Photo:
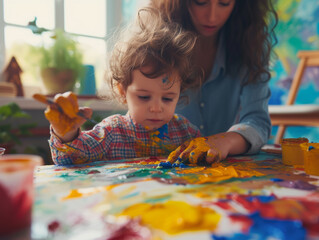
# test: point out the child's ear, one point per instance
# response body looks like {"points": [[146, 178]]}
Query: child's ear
{"points": [[122, 93]]}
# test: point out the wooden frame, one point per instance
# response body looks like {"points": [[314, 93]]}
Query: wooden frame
{"points": [[296, 115]]}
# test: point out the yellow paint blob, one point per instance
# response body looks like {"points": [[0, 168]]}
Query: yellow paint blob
{"points": [[84, 192], [73, 194], [216, 174], [174, 217]]}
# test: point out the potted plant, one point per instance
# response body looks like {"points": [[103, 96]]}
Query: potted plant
{"points": [[10, 134], [61, 63]]}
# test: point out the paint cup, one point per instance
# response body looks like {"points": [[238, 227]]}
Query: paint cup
{"points": [[16, 192], [292, 152], [87, 82], [312, 159]]}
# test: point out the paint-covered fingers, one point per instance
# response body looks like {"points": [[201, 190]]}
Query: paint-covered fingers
{"points": [[61, 123], [68, 103], [63, 116], [174, 156], [86, 112], [195, 151], [214, 155]]}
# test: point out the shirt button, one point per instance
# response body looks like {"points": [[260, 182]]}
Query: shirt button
{"points": [[202, 104], [201, 127]]}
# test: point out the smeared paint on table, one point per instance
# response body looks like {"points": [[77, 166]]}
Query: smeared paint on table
{"points": [[247, 197]]}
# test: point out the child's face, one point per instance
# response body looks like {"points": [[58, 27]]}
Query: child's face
{"points": [[152, 101]]}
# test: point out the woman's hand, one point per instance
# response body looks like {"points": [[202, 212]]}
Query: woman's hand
{"points": [[212, 149], [64, 119]]}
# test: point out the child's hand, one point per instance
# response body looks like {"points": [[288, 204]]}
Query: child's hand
{"points": [[197, 150], [212, 149], [66, 124]]}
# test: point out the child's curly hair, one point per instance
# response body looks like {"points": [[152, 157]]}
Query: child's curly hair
{"points": [[163, 46]]}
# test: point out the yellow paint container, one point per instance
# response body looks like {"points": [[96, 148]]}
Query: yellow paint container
{"points": [[293, 152], [312, 159]]}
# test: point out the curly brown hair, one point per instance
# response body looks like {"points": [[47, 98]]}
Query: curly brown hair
{"points": [[151, 41], [249, 33]]}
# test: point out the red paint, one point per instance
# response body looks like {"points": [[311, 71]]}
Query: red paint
{"points": [[94, 171], [224, 205], [128, 230], [244, 221], [250, 206], [59, 169], [53, 226], [15, 211]]}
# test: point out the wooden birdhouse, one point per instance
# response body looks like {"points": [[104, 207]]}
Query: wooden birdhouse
{"points": [[12, 75]]}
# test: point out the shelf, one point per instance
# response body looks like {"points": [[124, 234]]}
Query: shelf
{"points": [[95, 103]]}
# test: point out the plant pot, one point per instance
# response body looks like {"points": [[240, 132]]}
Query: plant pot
{"points": [[58, 81]]}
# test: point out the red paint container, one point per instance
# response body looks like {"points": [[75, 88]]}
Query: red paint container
{"points": [[16, 191]]}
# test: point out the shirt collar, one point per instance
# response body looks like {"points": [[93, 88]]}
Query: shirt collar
{"points": [[162, 132], [219, 67]]}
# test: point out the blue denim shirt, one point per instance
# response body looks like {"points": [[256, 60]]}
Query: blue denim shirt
{"points": [[223, 104]]}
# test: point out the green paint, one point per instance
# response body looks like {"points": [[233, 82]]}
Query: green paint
{"points": [[159, 199], [134, 194], [64, 175]]}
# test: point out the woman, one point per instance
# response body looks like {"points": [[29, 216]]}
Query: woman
{"points": [[235, 40]]}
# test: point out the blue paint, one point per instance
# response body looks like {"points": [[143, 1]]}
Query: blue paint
{"points": [[269, 229], [165, 79], [263, 199], [175, 165], [165, 165], [182, 165], [163, 132], [276, 179], [310, 148]]}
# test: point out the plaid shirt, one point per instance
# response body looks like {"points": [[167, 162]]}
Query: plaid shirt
{"points": [[117, 137]]}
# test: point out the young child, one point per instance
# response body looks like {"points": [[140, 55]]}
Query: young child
{"points": [[147, 71]]}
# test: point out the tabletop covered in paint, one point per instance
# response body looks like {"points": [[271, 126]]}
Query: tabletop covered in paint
{"points": [[245, 197]]}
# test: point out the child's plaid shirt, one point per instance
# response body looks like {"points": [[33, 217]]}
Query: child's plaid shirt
{"points": [[117, 137]]}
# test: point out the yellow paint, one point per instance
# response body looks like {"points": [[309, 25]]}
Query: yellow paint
{"points": [[216, 174], [312, 159], [217, 191], [312, 39], [286, 9], [150, 162], [73, 194], [174, 217], [194, 150], [293, 150], [84, 192]]}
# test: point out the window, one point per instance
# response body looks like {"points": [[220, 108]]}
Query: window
{"points": [[90, 21]]}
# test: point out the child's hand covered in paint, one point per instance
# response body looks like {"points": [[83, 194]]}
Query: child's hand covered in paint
{"points": [[195, 151], [212, 149], [66, 123]]}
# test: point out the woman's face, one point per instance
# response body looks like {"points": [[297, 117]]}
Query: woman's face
{"points": [[209, 16]]}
